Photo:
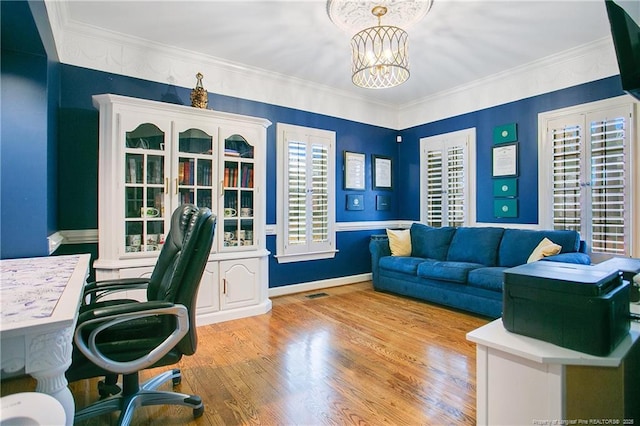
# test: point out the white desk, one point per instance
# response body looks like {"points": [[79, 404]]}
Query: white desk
{"points": [[525, 381], [40, 298]]}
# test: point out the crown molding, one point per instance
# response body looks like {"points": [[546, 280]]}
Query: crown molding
{"points": [[589, 62], [95, 48]]}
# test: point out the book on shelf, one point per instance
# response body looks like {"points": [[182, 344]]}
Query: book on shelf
{"points": [[185, 172], [230, 177], [204, 174], [231, 152], [180, 172]]}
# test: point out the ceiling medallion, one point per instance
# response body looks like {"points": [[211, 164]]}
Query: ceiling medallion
{"points": [[352, 16]]}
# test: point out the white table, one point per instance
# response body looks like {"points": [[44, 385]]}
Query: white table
{"points": [[525, 381], [40, 298]]}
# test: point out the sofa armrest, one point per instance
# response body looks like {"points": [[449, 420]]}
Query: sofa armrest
{"points": [[583, 247], [575, 257], [379, 247]]}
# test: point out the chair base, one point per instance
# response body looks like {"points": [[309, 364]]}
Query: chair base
{"points": [[134, 395]]}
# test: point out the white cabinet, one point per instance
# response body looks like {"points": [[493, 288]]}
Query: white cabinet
{"points": [[239, 283], [154, 157]]}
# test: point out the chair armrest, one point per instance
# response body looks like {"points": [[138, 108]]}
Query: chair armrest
{"points": [[96, 290], [95, 321]]}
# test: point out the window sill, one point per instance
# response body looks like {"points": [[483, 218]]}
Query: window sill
{"points": [[303, 257]]}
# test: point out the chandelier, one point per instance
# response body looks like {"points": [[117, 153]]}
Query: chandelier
{"points": [[380, 55]]}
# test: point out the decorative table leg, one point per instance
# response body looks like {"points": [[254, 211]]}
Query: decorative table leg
{"points": [[54, 383], [48, 357]]}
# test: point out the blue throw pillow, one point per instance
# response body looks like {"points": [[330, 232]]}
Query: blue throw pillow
{"points": [[429, 242]]}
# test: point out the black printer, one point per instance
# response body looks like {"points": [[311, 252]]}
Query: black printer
{"points": [[574, 306]]}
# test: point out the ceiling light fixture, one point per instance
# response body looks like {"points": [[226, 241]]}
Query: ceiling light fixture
{"points": [[380, 55]]}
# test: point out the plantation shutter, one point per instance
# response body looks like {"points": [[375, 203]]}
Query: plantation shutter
{"points": [[590, 169], [297, 191], [566, 163], [456, 185], [320, 191], [445, 182], [306, 196], [609, 200], [434, 187]]}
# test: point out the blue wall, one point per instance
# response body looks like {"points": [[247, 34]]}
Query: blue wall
{"points": [[525, 114], [28, 147]]}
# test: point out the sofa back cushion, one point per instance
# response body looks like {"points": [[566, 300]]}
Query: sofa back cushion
{"points": [[476, 245], [429, 242], [518, 244]]}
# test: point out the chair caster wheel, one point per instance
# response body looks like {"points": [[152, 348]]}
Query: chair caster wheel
{"points": [[198, 412], [177, 377], [106, 389]]}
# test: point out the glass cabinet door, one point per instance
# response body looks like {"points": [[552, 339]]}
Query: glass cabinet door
{"points": [[195, 168], [238, 188], [145, 189]]}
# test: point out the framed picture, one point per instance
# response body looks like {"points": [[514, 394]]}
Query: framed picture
{"points": [[355, 202], [354, 170], [383, 202], [505, 187], [382, 172], [506, 207], [505, 133], [505, 160]]}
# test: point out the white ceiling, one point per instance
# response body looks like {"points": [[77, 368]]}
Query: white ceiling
{"points": [[458, 42]]}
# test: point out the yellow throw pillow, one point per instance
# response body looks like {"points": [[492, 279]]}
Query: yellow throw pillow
{"points": [[544, 249], [399, 242]]}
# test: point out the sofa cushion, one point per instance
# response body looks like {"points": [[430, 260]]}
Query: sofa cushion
{"points": [[399, 242], [446, 270], [407, 265], [490, 278], [430, 242], [476, 245], [518, 244]]}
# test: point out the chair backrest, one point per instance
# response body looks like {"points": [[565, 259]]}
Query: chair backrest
{"points": [[178, 271]]}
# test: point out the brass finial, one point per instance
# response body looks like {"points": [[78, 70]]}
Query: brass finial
{"points": [[199, 96]]}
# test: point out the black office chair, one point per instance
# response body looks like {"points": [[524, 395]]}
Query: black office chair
{"points": [[125, 336]]}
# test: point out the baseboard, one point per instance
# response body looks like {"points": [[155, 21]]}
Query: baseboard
{"points": [[232, 314], [317, 285]]}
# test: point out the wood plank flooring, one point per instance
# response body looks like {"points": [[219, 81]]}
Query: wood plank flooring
{"points": [[352, 357]]}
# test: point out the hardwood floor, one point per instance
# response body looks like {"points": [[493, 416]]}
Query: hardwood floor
{"points": [[354, 356]]}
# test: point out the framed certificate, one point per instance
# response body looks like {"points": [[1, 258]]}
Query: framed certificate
{"points": [[505, 160], [354, 170], [382, 172]]}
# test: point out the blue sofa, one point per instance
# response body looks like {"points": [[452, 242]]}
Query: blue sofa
{"points": [[463, 267]]}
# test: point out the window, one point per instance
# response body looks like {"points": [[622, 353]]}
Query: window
{"points": [[306, 193], [586, 177], [446, 163]]}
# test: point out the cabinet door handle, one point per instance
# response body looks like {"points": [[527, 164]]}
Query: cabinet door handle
{"points": [[176, 186], [166, 185], [224, 286]]}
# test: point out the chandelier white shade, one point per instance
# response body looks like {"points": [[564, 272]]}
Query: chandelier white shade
{"points": [[380, 57]]}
